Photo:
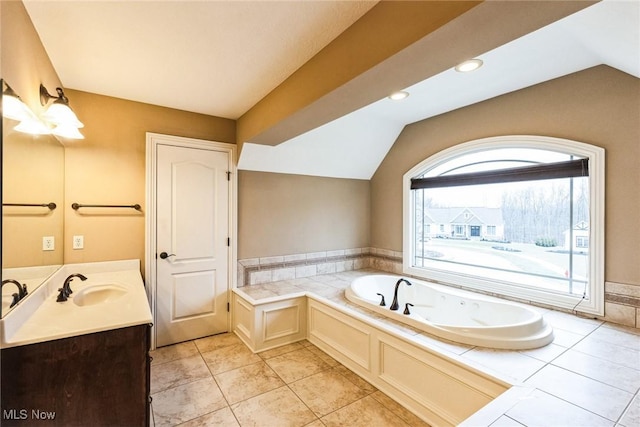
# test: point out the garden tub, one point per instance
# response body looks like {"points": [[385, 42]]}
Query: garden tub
{"points": [[453, 314]]}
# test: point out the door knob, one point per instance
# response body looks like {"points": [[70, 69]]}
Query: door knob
{"points": [[165, 255]]}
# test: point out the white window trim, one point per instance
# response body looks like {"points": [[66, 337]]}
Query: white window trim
{"points": [[596, 155]]}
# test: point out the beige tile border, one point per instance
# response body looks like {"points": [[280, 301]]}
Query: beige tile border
{"points": [[254, 271]]}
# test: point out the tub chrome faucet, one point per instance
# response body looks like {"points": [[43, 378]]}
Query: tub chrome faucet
{"points": [[65, 290], [22, 291], [394, 304]]}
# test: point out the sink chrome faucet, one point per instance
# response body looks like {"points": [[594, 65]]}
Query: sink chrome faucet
{"points": [[65, 290], [22, 291], [394, 304]]}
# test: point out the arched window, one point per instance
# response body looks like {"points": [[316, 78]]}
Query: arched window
{"points": [[520, 216]]}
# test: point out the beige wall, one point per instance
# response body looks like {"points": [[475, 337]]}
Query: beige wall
{"points": [[278, 214], [282, 214], [25, 63], [296, 213], [598, 106], [35, 163], [290, 214], [108, 167], [32, 172]]}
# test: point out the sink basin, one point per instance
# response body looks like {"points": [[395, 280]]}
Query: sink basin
{"points": [[98, 294]]}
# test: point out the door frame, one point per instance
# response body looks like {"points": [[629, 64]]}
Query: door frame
{"points": [[153, 141]]}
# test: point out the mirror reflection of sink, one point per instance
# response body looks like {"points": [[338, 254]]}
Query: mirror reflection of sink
{"points": [[98, 294], [6, 303]]}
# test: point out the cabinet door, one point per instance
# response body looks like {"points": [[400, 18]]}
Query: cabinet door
{"points": [[99, 379]]}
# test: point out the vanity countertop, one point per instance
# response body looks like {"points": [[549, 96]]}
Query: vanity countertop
{"points": [[32, 277], [112, 297]]}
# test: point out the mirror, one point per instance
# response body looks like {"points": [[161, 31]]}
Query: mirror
{"points": [[32, 174]]}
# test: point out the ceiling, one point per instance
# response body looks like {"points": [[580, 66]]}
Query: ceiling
{"points": [[211, 57], [221, 57]]}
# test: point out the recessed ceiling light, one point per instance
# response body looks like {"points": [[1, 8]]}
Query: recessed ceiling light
{"points": [[470, 65], [397, 96]]}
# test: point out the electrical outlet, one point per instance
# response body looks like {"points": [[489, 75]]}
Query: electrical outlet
{"points": [[48, 243], [78, 242]]}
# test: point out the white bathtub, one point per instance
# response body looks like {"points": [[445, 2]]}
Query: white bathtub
{"points": [[454, 314]]}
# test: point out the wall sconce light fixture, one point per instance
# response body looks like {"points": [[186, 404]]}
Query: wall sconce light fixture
{"points": [[12, 106], [33, 126], [60, 114]]}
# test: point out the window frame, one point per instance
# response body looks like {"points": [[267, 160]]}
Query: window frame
{"points": [[594, 304], [580, 242]]}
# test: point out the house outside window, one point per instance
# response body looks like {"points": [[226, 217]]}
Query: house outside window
{"points": [[513, 235]]}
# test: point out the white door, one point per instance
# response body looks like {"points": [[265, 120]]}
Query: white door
{"points": [[192, 243]]}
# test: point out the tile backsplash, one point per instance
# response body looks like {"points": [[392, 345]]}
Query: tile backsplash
{"points": [[254, 271]]}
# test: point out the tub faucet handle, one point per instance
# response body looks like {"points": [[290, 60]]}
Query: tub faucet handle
{"points": [[406, 308], [382, 303]]}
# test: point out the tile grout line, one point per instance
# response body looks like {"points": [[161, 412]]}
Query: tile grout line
{"points": [[550, 363], [217, 385], [627, 408], [577, 406], [214, 380]]}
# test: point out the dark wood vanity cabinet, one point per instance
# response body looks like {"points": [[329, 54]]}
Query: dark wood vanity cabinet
{"points": [[99, 379]]}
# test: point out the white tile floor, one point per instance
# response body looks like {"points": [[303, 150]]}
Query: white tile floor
{"points": [[589, 375]]}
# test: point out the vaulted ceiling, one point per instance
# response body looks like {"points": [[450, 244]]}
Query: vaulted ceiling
{"points": [[222, 57]]}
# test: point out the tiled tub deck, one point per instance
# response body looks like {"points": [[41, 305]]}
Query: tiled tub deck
{"points": [[588, 376]]}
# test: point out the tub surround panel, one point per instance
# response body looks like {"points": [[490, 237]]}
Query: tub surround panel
{"points": [[400, 365], [412, 375], [269, 323], [347, 336], [605, 345], [282, 322], [369, 348]]}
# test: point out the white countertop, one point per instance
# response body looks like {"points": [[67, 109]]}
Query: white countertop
{"points": [[32, 277], [41, 318]]}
